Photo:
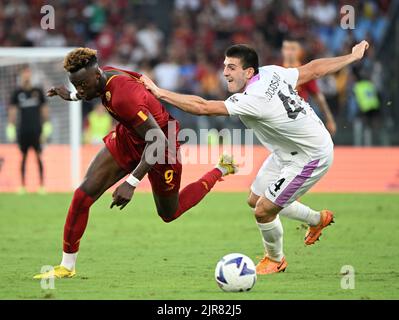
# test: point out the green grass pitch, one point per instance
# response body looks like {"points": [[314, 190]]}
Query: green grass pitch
{"points": [[132, 254]]}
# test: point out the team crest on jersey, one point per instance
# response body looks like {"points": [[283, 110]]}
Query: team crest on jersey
{"points": [[108, 96]]}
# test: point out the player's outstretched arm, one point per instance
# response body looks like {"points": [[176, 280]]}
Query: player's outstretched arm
{"points": [[320, 67], [63, 93], [188, 103]]}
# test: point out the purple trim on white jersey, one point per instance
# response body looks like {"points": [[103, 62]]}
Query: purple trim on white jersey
{"points": [[252, 80], [296, 183]]}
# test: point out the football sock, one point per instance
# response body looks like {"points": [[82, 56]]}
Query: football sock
{"points": [[76, 220], [299, 211], [23, 168], [41, 173], [69, 260], [272, 234], [195, 192]]}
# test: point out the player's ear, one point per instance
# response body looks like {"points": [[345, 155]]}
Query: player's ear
{"points": [[98, 74], [250, 72]]}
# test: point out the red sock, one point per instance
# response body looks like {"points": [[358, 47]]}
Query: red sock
{"points": [[76, 221], [195, 192]]}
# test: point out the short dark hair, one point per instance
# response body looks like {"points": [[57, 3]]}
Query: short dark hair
{"points": [[247, 55], [297, 39]]}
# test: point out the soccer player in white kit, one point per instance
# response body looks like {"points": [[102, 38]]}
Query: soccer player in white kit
{"points": [[301, 148]]}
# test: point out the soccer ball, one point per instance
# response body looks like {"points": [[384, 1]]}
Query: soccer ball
{"points": [[235, 272]]}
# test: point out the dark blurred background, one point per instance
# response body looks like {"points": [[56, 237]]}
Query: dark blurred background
{"points": [[180, 43]]}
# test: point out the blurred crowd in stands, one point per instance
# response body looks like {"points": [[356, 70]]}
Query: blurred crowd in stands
{"points": [[182, 49]]}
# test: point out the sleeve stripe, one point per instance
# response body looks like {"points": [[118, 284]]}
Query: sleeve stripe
{"points": [[142, 115]]}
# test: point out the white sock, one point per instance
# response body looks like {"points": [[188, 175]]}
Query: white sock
{"points": [[69, 260], [222, 170], [272, 233], [299, 211]]}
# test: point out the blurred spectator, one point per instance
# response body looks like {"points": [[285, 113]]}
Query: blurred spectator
{"points": [[150, 38], [99, 124], [183, 49], [368, 103], [167, 73]]}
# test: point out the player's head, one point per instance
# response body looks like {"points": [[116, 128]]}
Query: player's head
{"points": [[292, 52], [84, 73], [241, 63], [25, 77]]}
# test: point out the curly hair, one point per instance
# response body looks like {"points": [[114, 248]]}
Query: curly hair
{"points": [[80, 58]]}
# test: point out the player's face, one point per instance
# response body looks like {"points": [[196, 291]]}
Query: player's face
{"points": [[291, 52], [26, 75], [86, 82], [235, 75]]}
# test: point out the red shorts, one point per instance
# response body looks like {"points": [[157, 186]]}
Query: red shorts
{"points": [[164, 178]]}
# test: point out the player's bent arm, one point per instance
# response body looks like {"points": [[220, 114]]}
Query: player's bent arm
{"points": [[45, 113], [11, 131], [63, 93], [156, 140], [194, 104], [12, 114], [321, 67], [124, 192]]}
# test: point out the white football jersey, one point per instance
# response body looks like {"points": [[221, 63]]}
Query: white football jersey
{"points": [[282, 121]]}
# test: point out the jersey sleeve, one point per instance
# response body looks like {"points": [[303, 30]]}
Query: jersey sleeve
{"points": [[42, 97], [291, 76], [130, 102], [240, 104], [14, 98]]}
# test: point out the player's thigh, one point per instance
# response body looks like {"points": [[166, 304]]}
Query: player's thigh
{"points": [[103, 172], [36, 144], [266, 175], [165, 183], [23, 143], [295, 180]]}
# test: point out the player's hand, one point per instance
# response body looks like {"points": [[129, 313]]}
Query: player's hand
{"points": [[61, 91], [150, 85], [122, 195], [331, 126], [359, 49]]}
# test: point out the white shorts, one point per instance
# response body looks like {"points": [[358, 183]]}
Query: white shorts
{"points": [[284, 183]]}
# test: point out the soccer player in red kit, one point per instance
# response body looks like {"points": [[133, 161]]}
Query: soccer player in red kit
{"points": [[293, 56], [140, 137]]}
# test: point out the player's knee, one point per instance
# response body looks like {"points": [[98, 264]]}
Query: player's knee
{"points": [[165, 217], [92, 187], [251, 201], [265, 210]]}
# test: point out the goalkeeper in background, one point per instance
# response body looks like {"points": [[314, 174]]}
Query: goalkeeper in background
{"points": [[28, 123]]}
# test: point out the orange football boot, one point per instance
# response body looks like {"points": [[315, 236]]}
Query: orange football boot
{"points": [[313, 234], [268, 266]]}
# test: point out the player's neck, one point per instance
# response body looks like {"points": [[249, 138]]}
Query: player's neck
{"points": [[103, 81], [27, 86]]}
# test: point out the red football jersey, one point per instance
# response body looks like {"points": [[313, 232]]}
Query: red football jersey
{"points": [[130, 103], [307, 89]]}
